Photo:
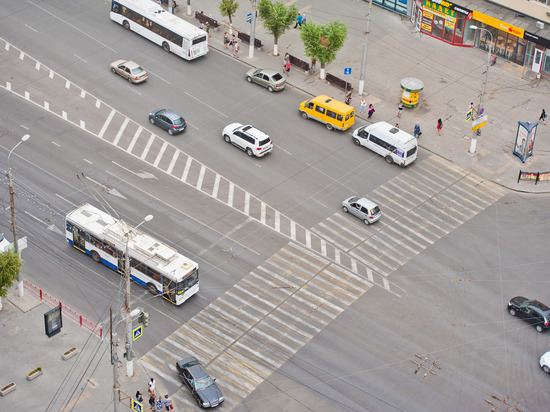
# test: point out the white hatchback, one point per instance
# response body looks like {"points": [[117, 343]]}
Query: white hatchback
{"points": [[248, 138], [363, 208]]}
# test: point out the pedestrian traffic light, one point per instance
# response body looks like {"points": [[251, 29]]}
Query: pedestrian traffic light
{"points": [[145, 319]]}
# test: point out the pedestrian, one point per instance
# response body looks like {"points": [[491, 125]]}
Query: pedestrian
{"points": [[286, 58], [348, 98], [303, 19], [159, 404], [207, 28], [232, 43], [151, 387], [167, 403], [152, 402], [313, 63], [225, 40], [287, 68], [399, 109], [236, 49], [362, 105], [439, 126], [397, 125], [417, 131], [543, 117], [371, 110], [139, 397], [298, 21], [201, 26], [494, 60]]}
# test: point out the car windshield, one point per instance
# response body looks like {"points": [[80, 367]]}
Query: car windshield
{"points": [[266, 141], [375, 210], [276, 77], [353, 199], [525, 303], [137, 70], [204, 382], [178, 121]]}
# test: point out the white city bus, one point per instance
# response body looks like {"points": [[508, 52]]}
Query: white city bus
{"points": [[153, 264], [150, 20]]}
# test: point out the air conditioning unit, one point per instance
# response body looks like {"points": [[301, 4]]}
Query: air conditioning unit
{"points": [[539, 25]]}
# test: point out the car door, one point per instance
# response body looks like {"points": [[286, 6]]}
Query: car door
{"points": [[355, 209], [259, 79], [238, 139], [164, 122]]}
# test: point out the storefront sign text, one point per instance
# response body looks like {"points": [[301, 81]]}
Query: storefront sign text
{"points": [[501, 25]]}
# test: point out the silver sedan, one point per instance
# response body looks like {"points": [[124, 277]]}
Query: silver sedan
{"points": [[130, 70], [269, 78]]}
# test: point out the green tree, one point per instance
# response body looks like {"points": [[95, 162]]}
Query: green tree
{"points": [[277, 18], [228, 8], [322, 42], [10, 265]]}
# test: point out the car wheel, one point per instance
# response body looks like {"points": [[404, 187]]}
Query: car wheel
{"points": [[249, 79], [113, 70], [367, 221], [389, 160], [152, 289], [170, 131], [270, 89], [95, 256], [249, 152], [345, 209], [130, 79], [539, 328], [227, 138], [357, 142], [546, 369], [126, 25], [304, 115], [329, 127], [152, 120], [166, 47], [512, 311]]}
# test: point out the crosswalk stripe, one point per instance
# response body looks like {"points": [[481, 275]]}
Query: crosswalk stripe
{"points": [[186, 168], [201, 177], [147, 146], [106, 123], [173, 162], [121, 131], [134, 139], [160, 154]]}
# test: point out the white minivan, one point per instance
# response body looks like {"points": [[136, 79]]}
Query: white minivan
{"points": [[394, 144]]}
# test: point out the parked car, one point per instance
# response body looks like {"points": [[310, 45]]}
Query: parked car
{"points": [[168, 120], [363, 208], [130, 70], [532, 311], [200, 383], [545, 362], [269, 78], [248, 138]]}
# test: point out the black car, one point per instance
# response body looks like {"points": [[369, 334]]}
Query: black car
{"points": [[532, 311], [200, 383], [168, 120]]}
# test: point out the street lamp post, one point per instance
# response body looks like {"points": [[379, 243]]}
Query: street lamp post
{"points": [[13, 224], [476, 133], [129, 338]]}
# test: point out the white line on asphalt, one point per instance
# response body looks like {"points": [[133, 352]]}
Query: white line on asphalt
{"points": [[57, 144], [80, 58], [156, 75], [200, 101], [160, 153], [88, 161], [134, 139], [286, 151], [121, 131], [173, 162], [34, 30], [134, 90], [201, 177], [186, 169], [35, 218], [106, 124], [147, 146]]}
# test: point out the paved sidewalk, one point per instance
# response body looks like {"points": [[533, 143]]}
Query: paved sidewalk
{"points": [[452, 78]]}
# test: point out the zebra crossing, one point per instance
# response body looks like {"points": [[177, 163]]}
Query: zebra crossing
{"points": [[257, 325]]}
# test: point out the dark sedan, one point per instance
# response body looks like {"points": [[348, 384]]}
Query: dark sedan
{"points": [[200, 383], [168, 120], [532, 311]]}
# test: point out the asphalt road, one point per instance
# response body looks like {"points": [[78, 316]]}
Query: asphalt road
{"points": [[447, 294]]}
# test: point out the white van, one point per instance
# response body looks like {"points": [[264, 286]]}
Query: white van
{"points": [[394, 144]]}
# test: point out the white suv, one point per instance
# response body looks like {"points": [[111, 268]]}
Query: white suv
{"points": [[249, 139]]}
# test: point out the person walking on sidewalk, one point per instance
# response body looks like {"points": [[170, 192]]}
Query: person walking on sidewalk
{"points": [[298, 21], [167, 403], [371, 111], [287, 68], [543, 117], [151, 387], [348, 98], [494, 60], [417, 131], [159, 404], [439, 126], [399, 109], [236, 49], [362, 106], [225, 40], [152, 402], [139, 397]]}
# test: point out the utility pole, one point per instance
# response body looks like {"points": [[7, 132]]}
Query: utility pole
{"points": [[189, 12], [364, 59], [252, 31], [477, 132], [114, 361], [127, 270], [20, 285]]}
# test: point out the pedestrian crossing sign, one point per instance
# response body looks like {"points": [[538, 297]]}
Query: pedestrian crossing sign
{"points": [[469, 115], [138, 332], [136, 406]]}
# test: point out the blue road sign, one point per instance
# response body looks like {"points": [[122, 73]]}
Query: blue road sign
{"points": [[138, 332], [249, 17], [469, 115], [136, 406], [347, 70], [481, 111]]}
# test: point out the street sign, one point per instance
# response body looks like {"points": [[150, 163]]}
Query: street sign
{"points": [[479, 123], [136, 406], [481, 111], [249, 17], [469, 115], [347, 70], [138, 332]]}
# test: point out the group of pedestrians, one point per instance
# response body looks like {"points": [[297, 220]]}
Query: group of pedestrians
{"points": [[156, 404], [231, 42]]}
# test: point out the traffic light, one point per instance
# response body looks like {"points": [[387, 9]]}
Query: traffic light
{"points": [[145, 319]]}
